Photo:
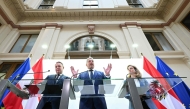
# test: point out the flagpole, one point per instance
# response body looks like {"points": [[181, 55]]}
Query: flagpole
{"points": [[141, 54], [30, 56], [131, 57]]}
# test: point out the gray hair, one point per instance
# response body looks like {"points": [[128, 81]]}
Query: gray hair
{"points": [[89, 59]]}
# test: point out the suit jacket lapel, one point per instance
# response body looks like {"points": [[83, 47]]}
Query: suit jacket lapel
{"points": [[87, 76], [87, 80], [95, 74], [60, 78], [52, 79]]}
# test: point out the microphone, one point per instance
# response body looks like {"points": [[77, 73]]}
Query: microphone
{"points": [[37, 72], [21, 75]]}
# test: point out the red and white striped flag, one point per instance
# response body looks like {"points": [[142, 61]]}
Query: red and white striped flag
{"points": [[171, 101], [37, 69], [32, 102]]}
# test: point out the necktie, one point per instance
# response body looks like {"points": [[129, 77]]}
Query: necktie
{"points": [[91, 74], [56, 78]]}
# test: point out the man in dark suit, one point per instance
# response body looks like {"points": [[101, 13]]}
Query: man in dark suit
{"points": [[56, 79], [93, 101]]}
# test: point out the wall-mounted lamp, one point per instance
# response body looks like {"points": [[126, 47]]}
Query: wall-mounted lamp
{"points": [[112, 46], [44, 46], [68, 47], [135, 45], [90, 46]]}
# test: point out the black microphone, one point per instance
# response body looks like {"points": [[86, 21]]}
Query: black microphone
{"points": [[37, 72], [25, 74]]}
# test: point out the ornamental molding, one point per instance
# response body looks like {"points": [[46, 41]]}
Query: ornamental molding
{"points": [[18, 10]]}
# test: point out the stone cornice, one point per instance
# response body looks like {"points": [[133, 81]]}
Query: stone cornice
{"points": [[161, 25], [18, 10], [53, 25], [117, 16], [13, 56], [130, 24], [170, 54], [28, 27], [35, 27]]}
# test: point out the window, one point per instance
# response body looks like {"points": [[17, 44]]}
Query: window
{"points": [[91, 45], [90, 4], [24, 43], [46, 4], [135, 3], [158, 42], [186, 21], [99, 44], [7, 68]]}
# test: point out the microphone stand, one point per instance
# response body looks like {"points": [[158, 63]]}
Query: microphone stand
{"points": [[39, 72], [28, 73], [32, 81], [15, 78]]}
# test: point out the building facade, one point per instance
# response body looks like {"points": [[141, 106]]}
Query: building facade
{"points": [[135, 27]]}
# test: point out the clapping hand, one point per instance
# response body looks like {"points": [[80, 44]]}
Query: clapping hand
{"points": [[108, 69]]}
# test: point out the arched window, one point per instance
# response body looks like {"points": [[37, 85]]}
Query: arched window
{"points": [[74, 45], [99, 44], [80, 49], [87, 43]]}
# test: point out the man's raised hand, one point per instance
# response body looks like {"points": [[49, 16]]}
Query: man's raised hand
{"points": [[74, 72]]}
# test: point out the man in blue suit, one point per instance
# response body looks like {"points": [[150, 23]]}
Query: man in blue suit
{"points": [[56, 79], [88, 101]]}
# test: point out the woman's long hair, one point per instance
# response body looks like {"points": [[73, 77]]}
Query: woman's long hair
{"points": [[136, 71]]}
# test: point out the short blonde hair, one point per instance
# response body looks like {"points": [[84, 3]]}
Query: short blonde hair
{"points": [[137, 72]]}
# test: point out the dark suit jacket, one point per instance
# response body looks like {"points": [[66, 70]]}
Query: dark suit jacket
{"points": [[55, 101], [98, 102]]}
